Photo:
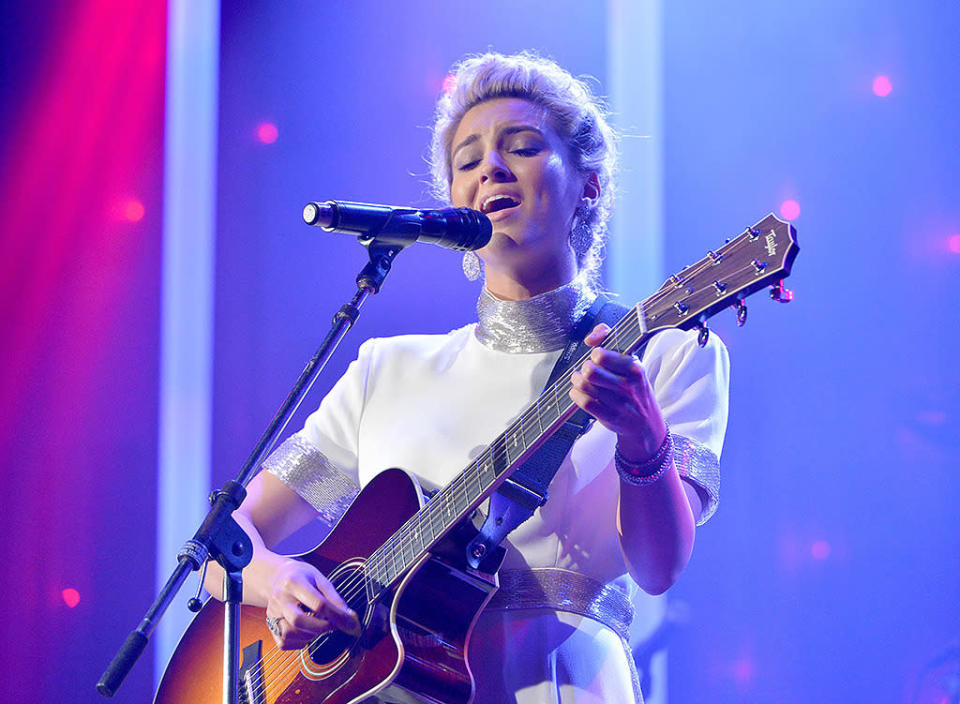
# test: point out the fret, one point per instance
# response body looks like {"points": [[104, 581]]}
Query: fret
{"points": [[554, 408], [510, 449], [449, 510], [530, 429], [487, 473], [406, 550], [416, 535], [498, 455], [435, 515], [394, 568], [538, 414], [476, 478], [375, 583], [461, 500], [515, 430]]}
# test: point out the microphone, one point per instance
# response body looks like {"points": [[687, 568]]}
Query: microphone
{"points": [[461, 229]]}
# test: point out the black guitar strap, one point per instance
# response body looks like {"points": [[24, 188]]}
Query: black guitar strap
{"points": [[526, 489]]}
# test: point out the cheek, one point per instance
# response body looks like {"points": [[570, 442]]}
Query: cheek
{"points": [[557, 188], [460, 193]]}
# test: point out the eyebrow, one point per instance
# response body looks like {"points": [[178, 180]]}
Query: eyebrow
{"points": [[505, 132]]}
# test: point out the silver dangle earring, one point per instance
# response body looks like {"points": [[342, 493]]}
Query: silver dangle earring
{"points": [[581, 237], [471, 265]]}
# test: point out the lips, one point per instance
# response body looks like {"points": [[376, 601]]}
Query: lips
{"points": [[497, 202]]}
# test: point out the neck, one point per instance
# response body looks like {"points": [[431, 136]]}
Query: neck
{"points": [[520, 281]]}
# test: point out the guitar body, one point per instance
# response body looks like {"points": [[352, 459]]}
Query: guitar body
{"points": [[414, 639]]}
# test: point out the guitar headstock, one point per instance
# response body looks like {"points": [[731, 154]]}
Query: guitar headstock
{"points": [[761, 256]]}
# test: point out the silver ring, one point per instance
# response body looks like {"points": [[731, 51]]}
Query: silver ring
{"points": [[274, 625]]}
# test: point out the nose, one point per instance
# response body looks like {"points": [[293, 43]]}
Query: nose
{"points": [[494, 168]]}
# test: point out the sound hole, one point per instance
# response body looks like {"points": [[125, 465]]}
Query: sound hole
{"points": [[350, 583]]}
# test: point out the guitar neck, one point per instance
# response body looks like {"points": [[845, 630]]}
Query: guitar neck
{"points": [[483, 475], [760, 256]]}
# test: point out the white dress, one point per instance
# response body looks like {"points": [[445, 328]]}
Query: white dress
{"points": [[431, 403]]}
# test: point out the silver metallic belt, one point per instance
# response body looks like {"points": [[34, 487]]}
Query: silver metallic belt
{"points": [[562, 590]]}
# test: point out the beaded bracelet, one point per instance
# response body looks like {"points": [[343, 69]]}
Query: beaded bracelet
{"points": [[643, 473]]}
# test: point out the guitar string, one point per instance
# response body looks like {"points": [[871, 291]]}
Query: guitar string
{"points": [[269, 663], [612, 340], [533, 413]]}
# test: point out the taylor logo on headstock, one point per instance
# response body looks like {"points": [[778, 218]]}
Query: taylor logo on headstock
{"points": [[771, 243]]}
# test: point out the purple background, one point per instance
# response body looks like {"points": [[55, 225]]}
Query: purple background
{"points": [[831, 571]]}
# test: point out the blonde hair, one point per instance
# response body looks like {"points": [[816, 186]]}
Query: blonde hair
{"points": [[579, 116]]}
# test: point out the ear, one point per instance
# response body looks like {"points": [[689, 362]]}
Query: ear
{"points": [[591, 190]]}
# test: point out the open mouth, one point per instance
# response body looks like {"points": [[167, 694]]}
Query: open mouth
{"points": [[498, 202]]}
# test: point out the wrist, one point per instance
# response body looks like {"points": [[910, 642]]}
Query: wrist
{"points": [[649, 470], [638, 447]]}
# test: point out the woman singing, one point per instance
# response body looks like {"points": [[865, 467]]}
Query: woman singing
{"points": [[523, 141]]}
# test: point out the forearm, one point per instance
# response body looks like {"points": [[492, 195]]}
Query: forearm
{"points": [[656, 527]]}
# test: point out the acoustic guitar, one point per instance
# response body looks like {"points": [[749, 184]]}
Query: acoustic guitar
{"points": [[400, 563]]}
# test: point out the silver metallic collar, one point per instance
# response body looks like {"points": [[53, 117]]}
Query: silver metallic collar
{"points": [[539, 324]]}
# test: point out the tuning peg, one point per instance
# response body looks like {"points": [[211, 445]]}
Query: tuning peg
{"points": [[781, 293], [741, 309], [703, 335]]}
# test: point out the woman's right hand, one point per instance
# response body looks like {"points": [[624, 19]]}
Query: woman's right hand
{"points": [[305, 604]]}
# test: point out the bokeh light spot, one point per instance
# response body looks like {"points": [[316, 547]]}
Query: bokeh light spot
{"points": [[71, 597], [267, 132], [449, 83], [790, 209], [953, 243], [882, 86], [820, 550], [133, 210], [743, 671]]}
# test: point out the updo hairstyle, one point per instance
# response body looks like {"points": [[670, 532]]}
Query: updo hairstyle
{"points": [[577, 114]]}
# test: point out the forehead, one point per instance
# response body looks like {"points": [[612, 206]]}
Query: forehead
{"points": [[491, 115]]}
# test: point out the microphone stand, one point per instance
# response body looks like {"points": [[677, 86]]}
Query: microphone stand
{"points": [[219, 536]]}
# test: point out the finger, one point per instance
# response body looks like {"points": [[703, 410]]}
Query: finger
{"points": [[622, 364], [304, 590], [294, 639], [598, 378], [597, 335], [346, 621], [321, 600], [603, 412], [300, 620], [335, 608]]}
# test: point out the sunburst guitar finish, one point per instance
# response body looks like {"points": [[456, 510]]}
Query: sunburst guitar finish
{"points": [[413, 642]]}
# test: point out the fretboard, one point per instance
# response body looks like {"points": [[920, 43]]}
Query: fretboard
{"points": [[483, 475], [758, 257]]}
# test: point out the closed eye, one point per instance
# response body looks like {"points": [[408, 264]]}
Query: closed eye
{"points": [[528, 151]]}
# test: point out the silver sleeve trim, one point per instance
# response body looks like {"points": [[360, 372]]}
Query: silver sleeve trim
{"points": [[301, 466], [701, 467]]}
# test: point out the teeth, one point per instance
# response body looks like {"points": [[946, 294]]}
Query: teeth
{"points": [[486, 207]]}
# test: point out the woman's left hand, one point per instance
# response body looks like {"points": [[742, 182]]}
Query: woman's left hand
{"points": [[614, 389]]}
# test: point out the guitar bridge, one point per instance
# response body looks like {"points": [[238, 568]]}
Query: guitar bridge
{"points": [[251, 675]]}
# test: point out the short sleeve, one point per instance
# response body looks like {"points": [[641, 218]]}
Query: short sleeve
{"points": [[320, 461], [691, 384]]}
